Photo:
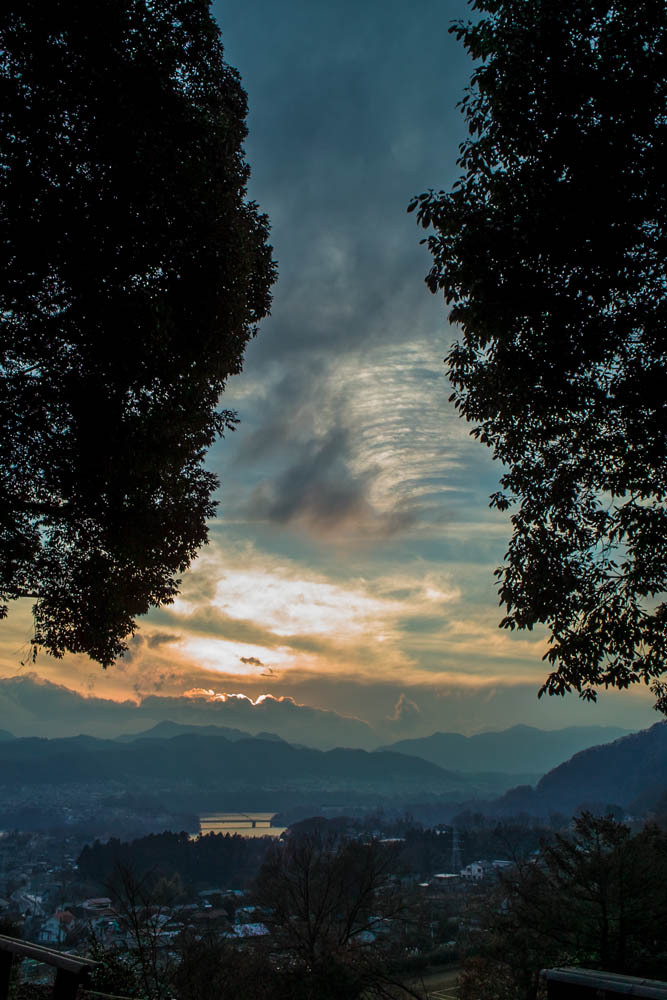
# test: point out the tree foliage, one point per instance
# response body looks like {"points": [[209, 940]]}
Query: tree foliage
{"points": [[331, 905], [143, 905], [134, 271], [551, 251], [594, 899], [221, 859], [212, 965]]}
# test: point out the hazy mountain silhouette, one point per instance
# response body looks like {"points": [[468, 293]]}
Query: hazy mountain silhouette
{"points": [[167, 730], [521, 750], [630, 769], [211, 761]]}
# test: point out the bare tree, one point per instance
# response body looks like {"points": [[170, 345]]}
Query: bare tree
{"points": [[143, 905], [336, 911]]}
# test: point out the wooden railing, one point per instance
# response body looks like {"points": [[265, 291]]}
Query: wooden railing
{"points": [[71, 970], [589, 984]]}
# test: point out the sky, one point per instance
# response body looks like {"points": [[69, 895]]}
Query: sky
{"points": [[350, 568]]}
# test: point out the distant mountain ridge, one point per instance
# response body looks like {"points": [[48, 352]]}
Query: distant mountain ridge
{"points": [[617, 773], [167, 729], [521, 750], [212, 762]]}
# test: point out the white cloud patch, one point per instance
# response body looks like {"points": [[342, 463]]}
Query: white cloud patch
{"points": [[242, 611]]}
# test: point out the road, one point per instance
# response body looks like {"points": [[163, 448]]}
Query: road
{"points": [[441, 984]]}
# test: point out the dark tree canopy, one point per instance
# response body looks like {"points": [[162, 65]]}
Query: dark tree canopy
{"points": [[551, 250], [594, 898], [134, 271], [330, 904]]}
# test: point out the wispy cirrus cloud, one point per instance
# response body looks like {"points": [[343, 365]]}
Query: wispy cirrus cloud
{"points": [[355, 449]]}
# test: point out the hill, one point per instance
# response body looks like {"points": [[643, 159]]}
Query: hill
{"points": [[633, 768], [521, 750], [167, 729], [210, 765]]}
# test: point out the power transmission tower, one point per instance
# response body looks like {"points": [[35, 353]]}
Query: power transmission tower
{"points": [[457, 860]]}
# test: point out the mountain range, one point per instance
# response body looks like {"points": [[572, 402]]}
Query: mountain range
{"points": [[210, 766], [519, 750], [33, 706], [624, 772], [194, 752], [212, 763], [167, 729]]}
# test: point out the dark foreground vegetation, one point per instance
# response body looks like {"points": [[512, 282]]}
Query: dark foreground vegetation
{"points": [[594, 898], [339, 917], [134, 272], [216, 859], [326, 916], [349, 908], [551, 250]]}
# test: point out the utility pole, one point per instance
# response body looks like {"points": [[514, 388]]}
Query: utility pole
{"points": [[457, 860]]}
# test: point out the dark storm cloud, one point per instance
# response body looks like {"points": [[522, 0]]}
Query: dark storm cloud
{"points": [[347, 121], [134, 646], [320, 491], [280, 410], [28, 697], [161, 639], [32, 706], [137, 642]]}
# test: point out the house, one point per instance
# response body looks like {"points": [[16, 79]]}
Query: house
{"points": [[250, 930], [55, 929], [477, 870], [28, 903], [98, 907]]}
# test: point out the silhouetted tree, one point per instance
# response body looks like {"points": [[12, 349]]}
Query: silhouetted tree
{"points": [[211, 965], [331, 904], [551, 250], [143, 904], [134, 271], [218, 858], [595, 898]]}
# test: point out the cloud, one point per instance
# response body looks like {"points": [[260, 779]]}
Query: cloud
{"points": [[280, 600], [321, 493], [354, 450], [156, 639], [251, 661], [30, 705], [406, 713], [281, 714], [140, 641]]}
